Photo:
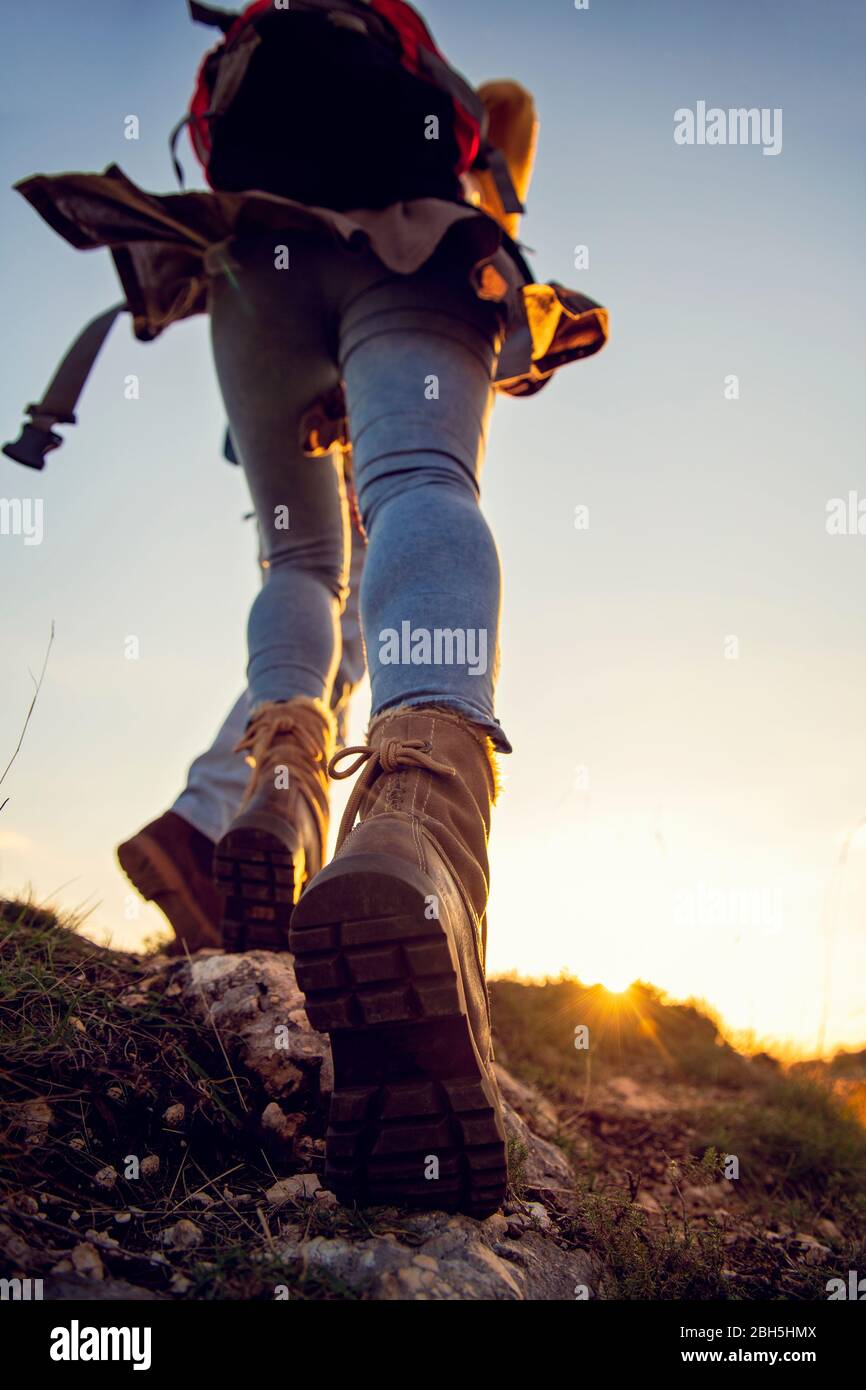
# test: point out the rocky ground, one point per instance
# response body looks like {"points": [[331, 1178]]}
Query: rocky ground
{"points": [[163, 1123]]}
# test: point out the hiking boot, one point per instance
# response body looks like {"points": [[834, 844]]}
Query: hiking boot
{"points": [[388, 943], [277, 840], [171, 865]]}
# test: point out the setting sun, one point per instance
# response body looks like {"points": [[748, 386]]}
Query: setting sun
{"points": [[617, 982]]}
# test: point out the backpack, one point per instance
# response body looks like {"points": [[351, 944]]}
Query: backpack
{"points": [[335, 103]]}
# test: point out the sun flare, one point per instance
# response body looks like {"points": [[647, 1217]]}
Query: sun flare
{"points": [[616, 982]]}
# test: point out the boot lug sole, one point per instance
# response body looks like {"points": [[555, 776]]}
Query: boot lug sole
{"points": [[257, 873], [409, 1084]]}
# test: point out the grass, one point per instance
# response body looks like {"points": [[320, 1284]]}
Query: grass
{"points": [[91, 1059], [672, 1260], [517, 1154], [797, 1142], [800, 1144], [80, 1035], [239, 1272], [94, 1049], [535, 1030]]}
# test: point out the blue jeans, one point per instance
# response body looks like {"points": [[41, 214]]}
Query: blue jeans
{"points": [[416, 355], [217, 778]]}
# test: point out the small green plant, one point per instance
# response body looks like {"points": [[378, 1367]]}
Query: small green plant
{"points": [[668, 1260], [239, 1272], [517, 1155]]}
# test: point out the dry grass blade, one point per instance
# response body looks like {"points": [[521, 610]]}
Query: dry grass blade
{"points": [[38, 684]]}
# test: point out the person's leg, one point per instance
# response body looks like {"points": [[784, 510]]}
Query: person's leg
{"points": [[218, 778], [273, 359], [417, 358], [388, 939], [170, 860], [274, 343]]}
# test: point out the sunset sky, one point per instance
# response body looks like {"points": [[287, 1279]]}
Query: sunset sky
{"points": [[670, 812]]}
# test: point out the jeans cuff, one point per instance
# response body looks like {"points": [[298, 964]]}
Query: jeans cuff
{"points": [[491, 727]]}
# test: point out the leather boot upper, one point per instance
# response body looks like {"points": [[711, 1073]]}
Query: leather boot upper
{"points": [[288, 745], [426, 795]]}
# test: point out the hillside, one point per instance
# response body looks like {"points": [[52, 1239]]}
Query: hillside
{"points": [[162, 1124]]}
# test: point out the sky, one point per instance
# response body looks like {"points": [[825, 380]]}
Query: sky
{"points": [[683, 679]]}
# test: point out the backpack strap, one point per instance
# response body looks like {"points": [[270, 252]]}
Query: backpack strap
{"points": [[465, 96], [493, 159], [173, 138], [60, 398], [461, 92], [233, 64]]}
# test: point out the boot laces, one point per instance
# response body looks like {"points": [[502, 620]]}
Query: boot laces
{"points": [[390, 756], [272, 728]]}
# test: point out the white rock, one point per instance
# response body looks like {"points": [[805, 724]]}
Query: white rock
{"points": [[302, 1185], [539, 1215], [185, 1235], [87, 1262]]}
